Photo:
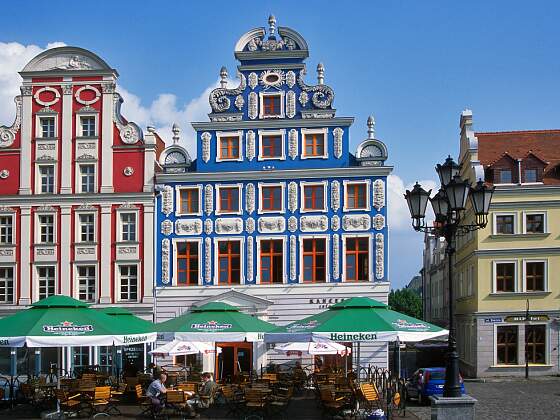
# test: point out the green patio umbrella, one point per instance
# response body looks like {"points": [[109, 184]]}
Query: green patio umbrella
{"points": [[59, 321], [123, 314], [357, 319], [216, 321]]}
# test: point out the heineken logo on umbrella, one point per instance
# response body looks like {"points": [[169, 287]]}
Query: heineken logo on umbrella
{"points": [[211, 326], [303, 326], [403, 324], [67, 328]]}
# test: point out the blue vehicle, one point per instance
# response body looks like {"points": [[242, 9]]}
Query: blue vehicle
{"points": [[426, 382]]}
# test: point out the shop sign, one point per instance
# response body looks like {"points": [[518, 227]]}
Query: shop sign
{"points": [[493, 320], [324, 303], [210, 326], [522, 318], [67, 328]]}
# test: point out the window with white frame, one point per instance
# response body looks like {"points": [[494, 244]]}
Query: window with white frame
{"points": [[187, 263], [535, 343], [46, 228], [356, 196], [128, 226], [535, 222], [229, 199], [128, 281], [313, 197], [6, 285], [48, 127], [87, 178], [271, 261], [504, 224], [87, 227], [47, 281], [88, 126], [229, 262], [229, 146], [271, 145], [314, 260], [46, 179], [506, 344], [314, 143], [6, 229], [505, 276], [535, 272], [356, 259], [189, 200], [86, 283], [272, 105], [271, 198]]}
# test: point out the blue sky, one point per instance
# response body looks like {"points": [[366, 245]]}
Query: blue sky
{"points": [[413, 65]]}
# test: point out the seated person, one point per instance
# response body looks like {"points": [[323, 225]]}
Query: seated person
{"points": [[206, 390], [156, 391]]}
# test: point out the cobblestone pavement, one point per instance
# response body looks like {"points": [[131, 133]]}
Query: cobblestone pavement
{"points": [[509, 399]]}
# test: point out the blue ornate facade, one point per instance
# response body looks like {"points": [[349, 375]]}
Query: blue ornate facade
{"points": [[273, 163]]}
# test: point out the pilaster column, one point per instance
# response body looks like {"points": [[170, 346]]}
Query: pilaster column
{"points": [[64, 243], [66, 143], [148, 257], [107, 138], [26, 276], [105, 269], [26, 165], [149, 161]]}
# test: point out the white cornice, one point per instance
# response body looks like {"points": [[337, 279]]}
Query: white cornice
{"points": [[77, 199], [190, 177], [255, 125]]}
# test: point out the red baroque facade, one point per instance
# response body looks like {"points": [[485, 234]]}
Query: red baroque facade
{"points": [[76, 188]]}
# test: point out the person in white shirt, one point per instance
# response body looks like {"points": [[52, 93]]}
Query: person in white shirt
{"points": [[156, 391]]}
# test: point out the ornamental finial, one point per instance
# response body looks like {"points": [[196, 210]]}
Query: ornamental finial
{"points": [[176, 130], [371, 127], [271, 26], [320, 73], [223, 77]]}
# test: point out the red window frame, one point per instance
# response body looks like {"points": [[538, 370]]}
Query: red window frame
{"points": [[189, 200], [314, 141], [274, 276], [229, 147], [227, 200], [192, 258], [310, 192], [354, 201], [229, 255], [314, 253], [354, 251], [267, 198], [272, 105], [274, 148]]}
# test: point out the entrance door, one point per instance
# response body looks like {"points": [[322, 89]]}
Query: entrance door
{"points": [[234, 359]]}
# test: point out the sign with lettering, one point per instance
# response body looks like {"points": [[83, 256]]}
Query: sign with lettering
{"points": [[522, 318], [493, 320], [67, 328]]}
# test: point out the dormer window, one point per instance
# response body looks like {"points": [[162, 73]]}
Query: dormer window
{"points": [[504, 176], [531, 175], [271, 105]]}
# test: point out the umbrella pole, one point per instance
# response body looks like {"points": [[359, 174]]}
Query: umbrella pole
{"points": [[358, 359]]}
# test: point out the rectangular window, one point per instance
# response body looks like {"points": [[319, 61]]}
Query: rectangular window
{"points": [[86, 283], [314, 260], [534, 223], [47, 127], [47, 281], [272, 105], [314, 197], [535, 276], [272, 198], [229, 199], [505, 277], [531, 175], [229, 262], [87, 178], [506, 344], [87, 227], [505, 176], [535, 340], [272, 262], [357, 258], [46, 175], [271, 146], [128, 282], [229, 147], [187, 263], [88, 126], [6, 230], [6, 285], [505, 224], [314, 145], [128, 227], [189, 201], [356, 196], [46, 228]]}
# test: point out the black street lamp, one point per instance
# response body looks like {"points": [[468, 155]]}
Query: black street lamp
{"points": [[449, 206]]}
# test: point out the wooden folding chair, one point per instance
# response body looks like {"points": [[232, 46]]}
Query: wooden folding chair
{"points": [[144, 402], [370, 395], [68, 403], [255, 401], [176, 401]]}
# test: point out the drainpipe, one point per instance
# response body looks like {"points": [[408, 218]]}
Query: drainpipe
{"points": [[519, 171]]}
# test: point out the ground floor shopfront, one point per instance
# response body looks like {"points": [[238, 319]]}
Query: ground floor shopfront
{"points": [[278, 304], [499, 343]]}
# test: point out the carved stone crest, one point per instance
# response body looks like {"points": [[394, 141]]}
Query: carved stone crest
{"points": [[379, 194], [290, 79], [206, 136], [208, 226], [291, 104], [167, 227], [253, 111], [293, 143], [356, 222], [303, 98], [250, 198], [335, 222], [167, 200], [253, 80], [239, 102], [292, 196], [335, 195], [208, 199], [314, 223], [229, 226], [338, 133], [378, 221], [8, 134], [292, 224], [188, 227], [250, 225], [250, 145], [272, 224]]}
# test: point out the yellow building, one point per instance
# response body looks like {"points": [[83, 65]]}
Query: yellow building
{"points": [[515, 259]]}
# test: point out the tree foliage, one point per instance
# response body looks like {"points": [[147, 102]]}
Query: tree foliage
{"points": [[406, 302]]}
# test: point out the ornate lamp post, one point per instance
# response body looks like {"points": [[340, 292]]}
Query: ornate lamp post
{"points": [[449, 205]]}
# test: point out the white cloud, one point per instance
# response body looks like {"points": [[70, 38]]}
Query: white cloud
{"points": [[399, 215]]}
